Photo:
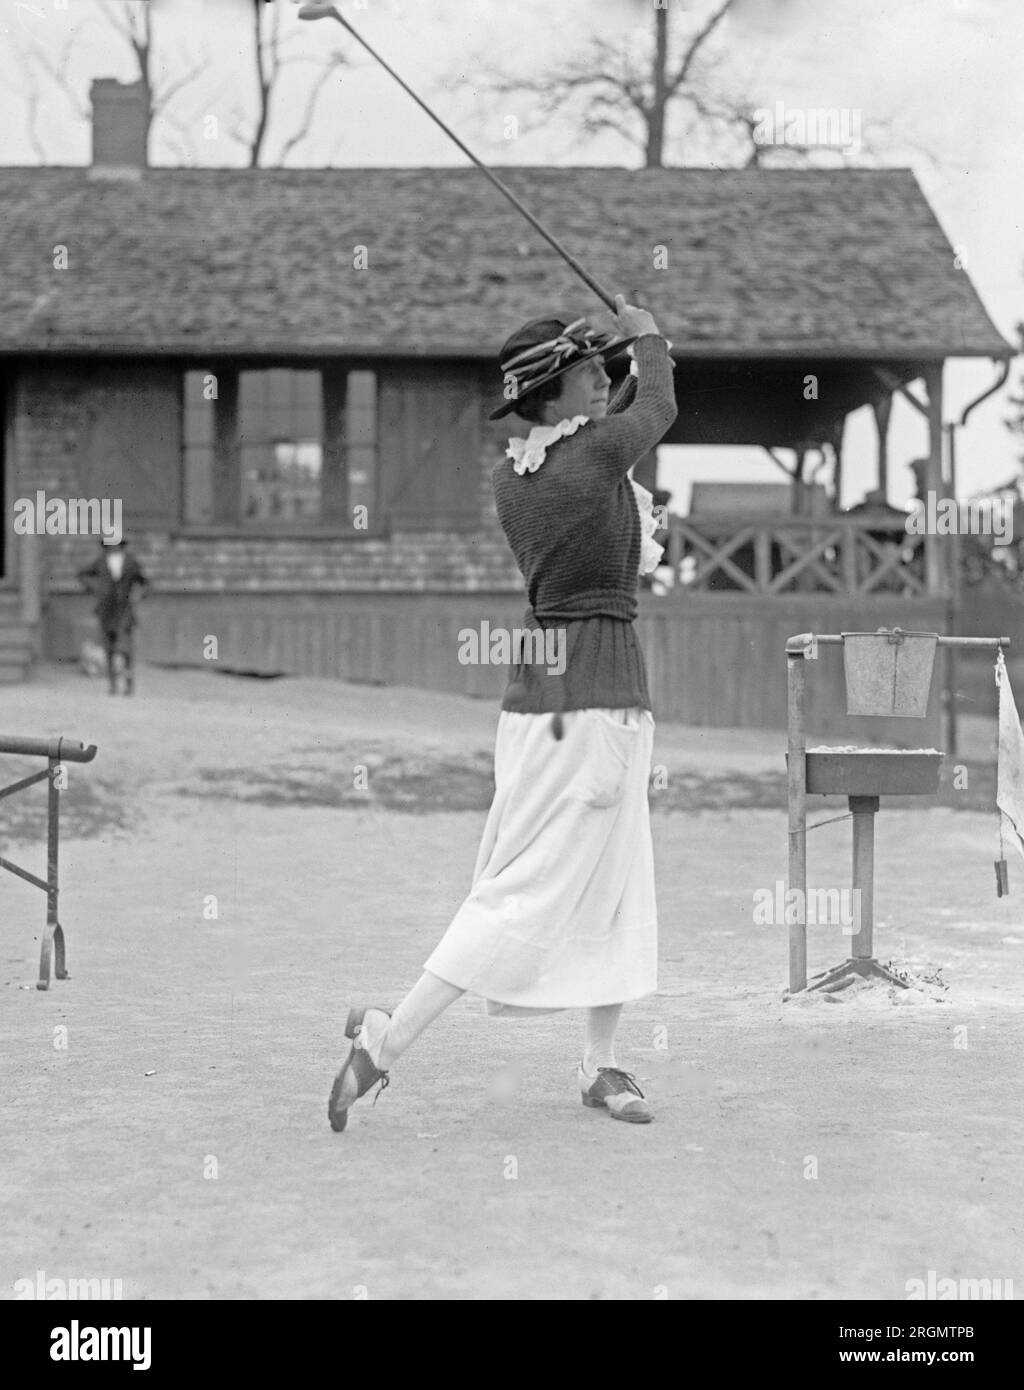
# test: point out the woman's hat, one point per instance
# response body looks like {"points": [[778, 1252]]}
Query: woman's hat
{"points": [[545, 348]]}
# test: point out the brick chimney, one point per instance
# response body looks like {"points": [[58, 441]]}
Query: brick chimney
{"points": [[119, 128]]}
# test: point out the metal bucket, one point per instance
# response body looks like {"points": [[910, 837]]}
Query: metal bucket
{"points": [[889, 673]]}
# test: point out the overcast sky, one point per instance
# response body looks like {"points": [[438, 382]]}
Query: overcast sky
{"points": [[938, 81]]}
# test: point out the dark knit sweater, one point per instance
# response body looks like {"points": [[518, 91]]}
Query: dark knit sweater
{"points": [[574, 530]]}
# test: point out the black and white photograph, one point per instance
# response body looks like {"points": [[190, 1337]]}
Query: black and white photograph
{"points": [[485, 483]]}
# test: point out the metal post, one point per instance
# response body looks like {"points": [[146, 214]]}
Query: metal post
{"points": [[797, 796], [53, 933], [936, 576], [863, 809], [29, 580], [952, 733]]}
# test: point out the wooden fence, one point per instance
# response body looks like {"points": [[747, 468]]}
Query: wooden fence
{"points": [[852, 556], [713, 659], [719, 660]]}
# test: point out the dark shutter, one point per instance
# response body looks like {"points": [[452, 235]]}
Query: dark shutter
{"points": [[227, 481], [133, 441], [430, 446], [334, 489]]}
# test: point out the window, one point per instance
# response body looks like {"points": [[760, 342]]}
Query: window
{"points": [[280, 448], [280, 439]]}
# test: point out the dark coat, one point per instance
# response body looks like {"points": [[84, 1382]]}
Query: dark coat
{"points": [[114, 596]]}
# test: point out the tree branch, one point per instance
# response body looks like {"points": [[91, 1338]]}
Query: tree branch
{"points": [[337, 61], [695, 45], [594, 125], [162, 98], [263, 83], [120, 23], [31, 122], [186, 138], [608, 78], [36, 57], [234, 128], [273, 41]]}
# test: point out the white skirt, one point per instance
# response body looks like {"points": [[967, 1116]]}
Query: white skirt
{"points": [[562, 911]]}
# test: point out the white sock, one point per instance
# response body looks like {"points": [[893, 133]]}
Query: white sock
{"points": [[599, 1037], [386, 1039]]}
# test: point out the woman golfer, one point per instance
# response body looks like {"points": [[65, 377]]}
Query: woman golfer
{"points": [[562, 910]]}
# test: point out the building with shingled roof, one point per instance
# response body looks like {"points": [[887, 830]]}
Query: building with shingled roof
{"points": [[285, 375]]}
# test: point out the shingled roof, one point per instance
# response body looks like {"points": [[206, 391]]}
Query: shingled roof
{"points": [[809, 263]]}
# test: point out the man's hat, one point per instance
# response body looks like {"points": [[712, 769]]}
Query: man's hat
{"points": [[543, 349]]}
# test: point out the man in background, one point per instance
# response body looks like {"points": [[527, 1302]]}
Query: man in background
{"points": [[113, 578]]}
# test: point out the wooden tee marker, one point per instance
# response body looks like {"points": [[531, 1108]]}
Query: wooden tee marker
{"points": [[879, 683]]}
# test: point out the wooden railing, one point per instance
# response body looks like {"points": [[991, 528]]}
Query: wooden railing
{"points": [[795, 555]]}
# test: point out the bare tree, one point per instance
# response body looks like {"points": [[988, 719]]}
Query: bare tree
{"points": [[135, 25], [620, 91], [271, 58], [634, 90], [39, 63]]}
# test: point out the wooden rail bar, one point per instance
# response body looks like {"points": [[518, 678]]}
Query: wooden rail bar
{"points": [[835, 639], [60, 748]]}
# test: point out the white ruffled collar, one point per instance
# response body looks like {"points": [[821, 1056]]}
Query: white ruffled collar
{"points": [[527, 455]]}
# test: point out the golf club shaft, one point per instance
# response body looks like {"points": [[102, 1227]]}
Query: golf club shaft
{"points": [[567, 256]]}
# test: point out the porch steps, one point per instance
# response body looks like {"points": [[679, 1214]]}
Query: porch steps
{"points": [[17, 641]]}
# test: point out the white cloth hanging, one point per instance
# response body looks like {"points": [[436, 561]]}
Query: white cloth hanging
{"points": [[1010, 764]]}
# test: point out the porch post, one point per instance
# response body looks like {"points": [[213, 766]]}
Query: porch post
{"points": [[837, 469], [29, 578], [934, 551], [798, 505], [24, 551], [882, 410]]}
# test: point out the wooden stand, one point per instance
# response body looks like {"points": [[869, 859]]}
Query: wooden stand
{"points": [[895, 774]]}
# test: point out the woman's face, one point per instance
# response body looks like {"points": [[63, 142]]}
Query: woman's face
{"points": [[584, 392]]}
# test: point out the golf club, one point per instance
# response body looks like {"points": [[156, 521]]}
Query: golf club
{"points": [[320, 11]]}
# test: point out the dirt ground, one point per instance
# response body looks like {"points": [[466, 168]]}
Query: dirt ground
{"points": [[816, 1148]]}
